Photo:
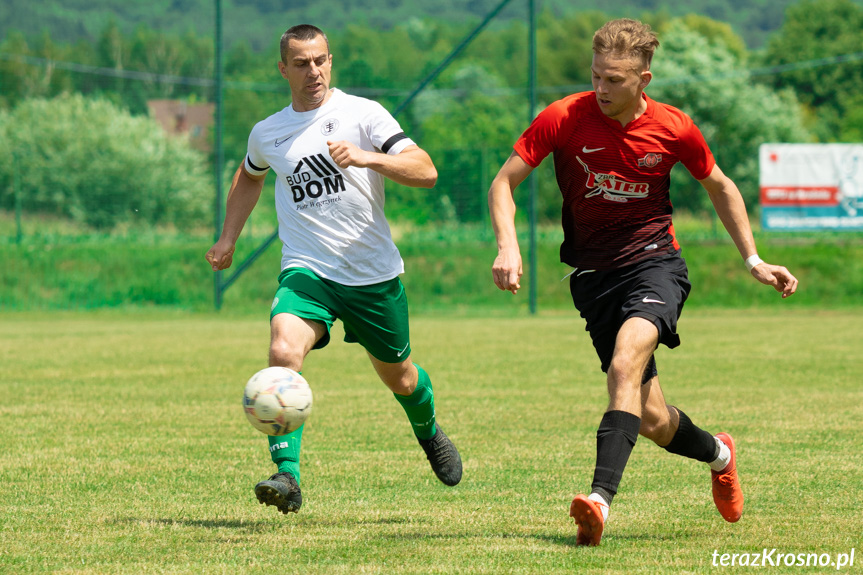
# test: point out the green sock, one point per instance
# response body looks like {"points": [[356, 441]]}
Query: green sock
{"points": [[285, 451], [419, 406]]}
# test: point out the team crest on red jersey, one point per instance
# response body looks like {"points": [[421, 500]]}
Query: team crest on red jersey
{"points": [[611, 187], [651, 160]]}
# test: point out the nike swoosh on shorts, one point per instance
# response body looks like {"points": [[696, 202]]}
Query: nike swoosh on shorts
{"points": [[648, 300]]}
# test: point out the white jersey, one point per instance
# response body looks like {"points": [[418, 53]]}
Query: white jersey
{"points": [[331, 219]]}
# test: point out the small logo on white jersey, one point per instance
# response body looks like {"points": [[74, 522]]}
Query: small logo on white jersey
{"points": [[329, 126], [648, 300], [280, 142], [587, 150]]}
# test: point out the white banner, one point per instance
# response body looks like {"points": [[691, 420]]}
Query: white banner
{"points": [[811, 186]]}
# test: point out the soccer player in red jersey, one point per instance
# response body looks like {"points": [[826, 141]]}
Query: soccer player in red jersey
{"points": [[613, 151]]}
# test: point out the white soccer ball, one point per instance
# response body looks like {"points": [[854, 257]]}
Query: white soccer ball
{"points": [[277, 400]]}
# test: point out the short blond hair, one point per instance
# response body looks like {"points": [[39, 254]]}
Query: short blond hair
{"points": [[626, 38]]}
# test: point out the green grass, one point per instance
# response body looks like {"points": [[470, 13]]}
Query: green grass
{"points": [[125, 449], [447, 269]]}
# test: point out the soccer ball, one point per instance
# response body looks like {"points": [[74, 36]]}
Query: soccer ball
{"points": [[277, 400]]}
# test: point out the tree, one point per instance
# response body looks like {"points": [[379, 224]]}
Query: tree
{"points": [[464, 126], [705, 79], [716, 33], [566, 48], [94, 163], [822, 29], [22, 79]]}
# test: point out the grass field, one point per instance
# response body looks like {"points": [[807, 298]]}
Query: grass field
{"points": [[447, 268], [125, 449]]}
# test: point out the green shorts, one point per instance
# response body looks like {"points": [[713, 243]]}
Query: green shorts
{"points": [[375, 316]]}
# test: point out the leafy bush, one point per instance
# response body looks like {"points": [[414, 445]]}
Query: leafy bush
{"points": [[88, 160]]}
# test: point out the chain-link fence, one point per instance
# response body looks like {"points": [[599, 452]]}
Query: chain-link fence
{"points": [[113, 139], [108, 131], [79, 118]]}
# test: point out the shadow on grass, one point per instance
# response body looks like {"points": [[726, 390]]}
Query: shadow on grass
{"points": [[569, 541], [251, 526], [268, 525], [263, 525]]}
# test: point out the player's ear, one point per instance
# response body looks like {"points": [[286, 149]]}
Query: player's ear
{"points": [[646, 77]]}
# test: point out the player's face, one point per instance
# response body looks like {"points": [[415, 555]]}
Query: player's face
{"points": [[308, 70], [618, 83]]}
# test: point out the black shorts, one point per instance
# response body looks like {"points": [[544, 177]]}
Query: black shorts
{"points": [[653, 289]]}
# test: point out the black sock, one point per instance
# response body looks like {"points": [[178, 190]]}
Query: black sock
{"points": [[692, 442], [615, 439]]}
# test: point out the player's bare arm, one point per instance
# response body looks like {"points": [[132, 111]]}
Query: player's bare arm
{"points": [[730, 208], [507, 268], [242, 198], [411, 167]]}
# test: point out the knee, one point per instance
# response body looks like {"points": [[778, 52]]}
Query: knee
{"points": [[402, 382], [286, 355], [623, 376]]}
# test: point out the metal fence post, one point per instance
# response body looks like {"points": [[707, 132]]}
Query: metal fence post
{"points": [[533, 185], [16, 190], [220, 153]]}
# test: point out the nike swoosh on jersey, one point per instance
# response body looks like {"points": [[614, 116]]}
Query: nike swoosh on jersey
{"points": [[648, 300], [279, 143], [587, 150], [399, 354]]}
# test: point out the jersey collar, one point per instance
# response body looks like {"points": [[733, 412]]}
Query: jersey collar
{"points": [[648, 113]]}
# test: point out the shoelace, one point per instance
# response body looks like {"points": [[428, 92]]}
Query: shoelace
{"points": [[439, 448], [726, 479]]}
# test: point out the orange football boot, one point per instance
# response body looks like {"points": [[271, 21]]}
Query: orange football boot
{"points": [[588, 516], [727, 494]]}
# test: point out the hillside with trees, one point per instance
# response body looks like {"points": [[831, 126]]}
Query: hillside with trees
{"points": [[805, 85], [255, 21]]}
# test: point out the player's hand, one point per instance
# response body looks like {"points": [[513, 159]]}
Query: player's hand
{"points": [[347, 154], [776, 276], [221, 255], [507, 270]]}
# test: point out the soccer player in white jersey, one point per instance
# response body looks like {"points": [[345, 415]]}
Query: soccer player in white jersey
{"points": [[331, 152]]}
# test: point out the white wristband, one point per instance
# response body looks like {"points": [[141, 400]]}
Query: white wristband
{"points": [[752, 261]]}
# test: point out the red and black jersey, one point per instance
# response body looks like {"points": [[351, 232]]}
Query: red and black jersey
{"points": [[614, 180]]}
